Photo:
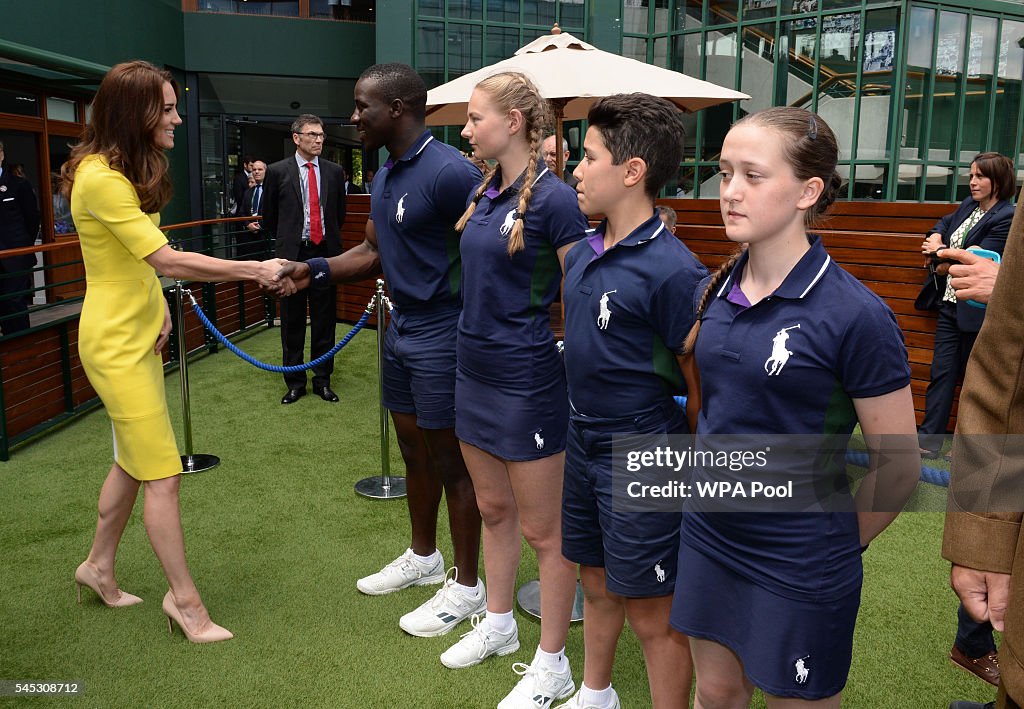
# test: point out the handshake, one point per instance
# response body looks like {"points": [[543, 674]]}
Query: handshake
{"points": [[280, 277]]}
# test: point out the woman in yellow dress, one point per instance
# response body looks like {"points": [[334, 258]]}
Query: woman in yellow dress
{"points": [[118, 182]]}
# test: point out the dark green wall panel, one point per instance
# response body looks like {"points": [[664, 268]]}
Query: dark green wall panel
{"points": [[105, 32], [395, 39], [277, 46]]}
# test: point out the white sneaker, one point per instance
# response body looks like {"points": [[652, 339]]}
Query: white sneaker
{"points": [[577, 703], [449, 607], [401, 573], [479, 643], [538, 688]]}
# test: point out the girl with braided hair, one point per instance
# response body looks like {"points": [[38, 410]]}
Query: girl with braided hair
{"points": [[511, 420], [789, 343]]}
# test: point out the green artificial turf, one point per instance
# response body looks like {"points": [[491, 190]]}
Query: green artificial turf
{"points": [[276, 539]]}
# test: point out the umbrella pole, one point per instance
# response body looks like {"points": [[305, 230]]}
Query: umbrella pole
{"points": [[557, 107]]}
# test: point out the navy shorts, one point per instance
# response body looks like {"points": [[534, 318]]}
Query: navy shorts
{"points": [[521, 421], [418, 372], [638, 550], [789, 648]]}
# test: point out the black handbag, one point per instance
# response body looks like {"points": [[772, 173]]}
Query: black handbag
{"points": [[930, 296]]}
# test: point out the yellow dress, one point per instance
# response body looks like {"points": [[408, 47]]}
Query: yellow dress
{"points": [[122, 316]]}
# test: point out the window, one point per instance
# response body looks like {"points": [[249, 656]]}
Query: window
{"points": [[61, 109], [1008, 84], [22, 103], [348, 10], [280, 8]]}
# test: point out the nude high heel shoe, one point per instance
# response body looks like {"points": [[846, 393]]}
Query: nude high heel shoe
{"points": [[213, 634], [86, 576]]}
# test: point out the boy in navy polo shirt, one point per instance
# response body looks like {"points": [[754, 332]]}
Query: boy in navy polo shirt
{"points": [[626, 292], [418, 196]]}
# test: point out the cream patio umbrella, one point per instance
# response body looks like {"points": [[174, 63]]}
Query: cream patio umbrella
{"points": [[572, 74]]}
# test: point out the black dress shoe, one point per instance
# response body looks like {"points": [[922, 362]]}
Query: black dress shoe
{"points": [[326, 394], [292, 396], [972, 705]]}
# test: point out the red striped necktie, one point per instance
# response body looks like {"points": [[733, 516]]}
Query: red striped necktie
{"points": [[316, 227]]}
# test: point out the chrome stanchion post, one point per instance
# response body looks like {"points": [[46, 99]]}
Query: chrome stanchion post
{"points": [[528, 597], [190, 462], [384, 486]]}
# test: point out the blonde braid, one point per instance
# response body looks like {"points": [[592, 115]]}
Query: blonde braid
{"points": [[716, 280], [517, 239], [464, 219]]}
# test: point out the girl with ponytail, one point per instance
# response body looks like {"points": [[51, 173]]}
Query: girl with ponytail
{"points": [[510, 392], [787, 342]]}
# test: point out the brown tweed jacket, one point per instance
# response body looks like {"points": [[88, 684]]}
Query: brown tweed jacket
{"points": [[986, 494]]}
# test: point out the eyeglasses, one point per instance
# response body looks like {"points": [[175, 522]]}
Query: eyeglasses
{"points": [[314, 136]]}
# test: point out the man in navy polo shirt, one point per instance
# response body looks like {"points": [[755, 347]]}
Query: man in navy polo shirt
{"points": [[627, 292], [417, 197]]}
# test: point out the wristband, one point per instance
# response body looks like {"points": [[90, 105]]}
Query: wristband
{"points": [[319, 273]]}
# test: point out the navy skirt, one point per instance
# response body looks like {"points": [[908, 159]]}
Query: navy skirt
{"points": [[512, 421], [788, 648]]}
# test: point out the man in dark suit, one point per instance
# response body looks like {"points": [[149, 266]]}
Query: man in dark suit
{"points": [[249, 244], [19, 224], [240, 185], [351, 187], [303, 209]]}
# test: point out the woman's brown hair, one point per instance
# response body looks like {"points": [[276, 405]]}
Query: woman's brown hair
{"points": [[999, 169], [125, 113], [510, 90]]}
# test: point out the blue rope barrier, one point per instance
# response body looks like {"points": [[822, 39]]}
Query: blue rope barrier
{"points": [[935, 476], [276, 367]]}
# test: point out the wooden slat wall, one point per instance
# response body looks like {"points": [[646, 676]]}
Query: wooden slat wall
{"points": [[65, 266], [353, 297]]}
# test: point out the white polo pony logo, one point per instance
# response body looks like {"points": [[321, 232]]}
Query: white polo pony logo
{"points": [[780, 355], [539, 440], [659, 572], [802, 670], [506, 227], [400, 212], [606, 314]]}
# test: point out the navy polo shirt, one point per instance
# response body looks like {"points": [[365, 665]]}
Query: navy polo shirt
{"points": [[792, 364], [844, 344], [504, 329], [416, 201], [627, 312]]}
